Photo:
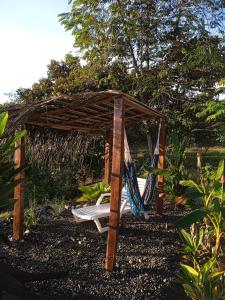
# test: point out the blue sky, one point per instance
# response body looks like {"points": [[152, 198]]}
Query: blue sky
{"points": [[30, 36]]}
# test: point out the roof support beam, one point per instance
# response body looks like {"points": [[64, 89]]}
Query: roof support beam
{"points": [[116, 182]]}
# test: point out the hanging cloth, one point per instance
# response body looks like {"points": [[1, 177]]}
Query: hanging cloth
{"points": [[140, 203]]}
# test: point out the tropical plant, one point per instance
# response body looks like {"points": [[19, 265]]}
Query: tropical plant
{"points": [[30, 217], [211, 195], [201, 275], [92, 192], [175, 166], [203, 282], [7, 171], [193, 243], [175, 170]]}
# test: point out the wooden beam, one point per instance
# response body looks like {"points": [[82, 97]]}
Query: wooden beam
{"points": [[161, 165], [141, 107], [116, 182], [18, 215], [108, 151]]}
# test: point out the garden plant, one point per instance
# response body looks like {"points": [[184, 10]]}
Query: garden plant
{"points": [[7, 170], [203, 262]]}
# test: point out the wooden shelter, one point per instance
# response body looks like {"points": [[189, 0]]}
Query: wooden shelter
{"points": [[104, 113]]}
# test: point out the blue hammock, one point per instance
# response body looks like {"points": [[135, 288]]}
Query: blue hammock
{"points": [[140, 203]]}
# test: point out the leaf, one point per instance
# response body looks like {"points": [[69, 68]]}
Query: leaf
{"points": [[195, 216], [208, 266], [186, 236], [11, 142], [217, 274], [191, 184], [3, 122], [192, 193], [191, 271], [85, 189], [220, 170], [200, 237], [222, 210]]}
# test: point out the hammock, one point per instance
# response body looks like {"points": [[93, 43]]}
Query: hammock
{"points": [[140, 203]]}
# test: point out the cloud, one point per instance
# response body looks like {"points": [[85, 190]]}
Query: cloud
{"points": [[24, 55]]}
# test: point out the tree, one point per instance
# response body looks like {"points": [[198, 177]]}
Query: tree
{"points": [[168, 54], [171, 52]]}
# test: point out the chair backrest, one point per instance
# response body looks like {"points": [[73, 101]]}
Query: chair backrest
{"points": [[124, 196], [141, 184]]}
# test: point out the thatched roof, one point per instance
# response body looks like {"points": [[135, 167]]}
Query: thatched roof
{"points": [[58, 127], [90, 112]]}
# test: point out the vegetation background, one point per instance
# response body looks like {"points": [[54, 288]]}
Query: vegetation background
{"points": [[168, 54]]}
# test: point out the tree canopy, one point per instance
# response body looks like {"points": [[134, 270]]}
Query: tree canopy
{"points": [[169, 54]]}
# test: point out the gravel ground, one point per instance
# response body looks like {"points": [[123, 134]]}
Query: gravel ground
{"points": [[147, 259]]}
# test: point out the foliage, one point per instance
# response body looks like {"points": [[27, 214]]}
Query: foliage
{"points": [[203, 283], [175, 165], [57, 206], [214, 112], [168, 54], [201, 275], [30, 217], [92, 192], [175, 170], [7, 171]]}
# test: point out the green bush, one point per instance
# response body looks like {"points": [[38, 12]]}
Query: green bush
{"points": [[30, 217], [202, 275], [92, 192]]}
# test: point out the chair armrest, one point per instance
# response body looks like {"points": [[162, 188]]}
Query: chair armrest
{"points": [[101, 198]]}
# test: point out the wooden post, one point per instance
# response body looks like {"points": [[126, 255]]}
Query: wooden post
{"points": [[116, 183], [108, 151], [199, 161], [18, 215], [161, 165]]}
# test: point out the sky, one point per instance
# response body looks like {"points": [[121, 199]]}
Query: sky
{"points": [[30, 36]]}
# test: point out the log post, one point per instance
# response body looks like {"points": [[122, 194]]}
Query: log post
{"points": [[116, 182], [18, 215], [161, 165], [108, 152], [199, 161]]}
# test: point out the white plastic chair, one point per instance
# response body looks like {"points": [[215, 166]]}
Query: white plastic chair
{"points": [[102, 210]]}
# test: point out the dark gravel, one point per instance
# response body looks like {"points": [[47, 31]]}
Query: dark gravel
{"points": [[147, 260]]}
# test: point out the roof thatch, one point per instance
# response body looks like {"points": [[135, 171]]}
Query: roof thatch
{"points": [[90, 112], [58, 127]]}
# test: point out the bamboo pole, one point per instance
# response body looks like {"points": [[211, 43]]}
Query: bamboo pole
{"points": [[116, 183], [108, 152], [161, 165], [18, 215]]}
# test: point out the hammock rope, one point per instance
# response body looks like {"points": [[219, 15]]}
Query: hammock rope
{"points": [[140, 203]]}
